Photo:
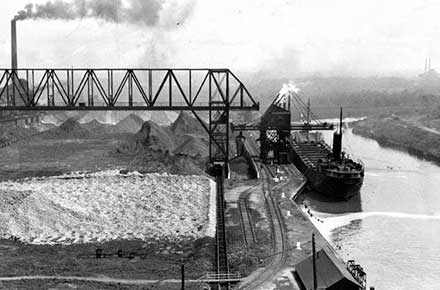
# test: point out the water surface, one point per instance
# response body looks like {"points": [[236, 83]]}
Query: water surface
{"points": [[393, 227]]}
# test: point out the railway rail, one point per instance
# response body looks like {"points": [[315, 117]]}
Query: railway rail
{"points": [[247, 227], [278, 229], [222, 266], [292, 170], [19, 139], [278, 234], [221, 255]]}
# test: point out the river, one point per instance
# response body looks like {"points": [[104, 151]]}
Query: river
{"points": [[393, 227]]}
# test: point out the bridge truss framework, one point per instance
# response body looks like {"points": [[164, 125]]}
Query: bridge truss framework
{"points": [[215, 91]]}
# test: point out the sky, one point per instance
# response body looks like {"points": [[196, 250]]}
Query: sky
{"points": [[275, 38]]}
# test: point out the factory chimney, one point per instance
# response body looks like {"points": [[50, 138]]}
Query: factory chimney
{"points": [[13, 44]]}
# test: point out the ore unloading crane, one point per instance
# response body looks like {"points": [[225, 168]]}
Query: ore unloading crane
{"points": [[214, 91], [275, 126]]}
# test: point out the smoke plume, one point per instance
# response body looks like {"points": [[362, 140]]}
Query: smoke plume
{"points": [[131, 11]]}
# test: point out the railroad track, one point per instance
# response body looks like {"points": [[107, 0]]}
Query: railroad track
{"points": [[19, 139], [292, 170], [247, 227], [222, 266], [278, 233], [276, 216]]}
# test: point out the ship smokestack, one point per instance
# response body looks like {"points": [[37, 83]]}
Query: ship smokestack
{"points": [[337, 140], [13, 44]]}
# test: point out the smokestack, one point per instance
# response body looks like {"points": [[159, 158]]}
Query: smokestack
{"points": [[337, 140], [13, 44]]}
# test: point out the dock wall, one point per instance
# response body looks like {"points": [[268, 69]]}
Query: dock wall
{"points": [[252, 164]]}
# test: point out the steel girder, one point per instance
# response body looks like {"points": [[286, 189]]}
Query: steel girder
{"points": [[217, 91]]}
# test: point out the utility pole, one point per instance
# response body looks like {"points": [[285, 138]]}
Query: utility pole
{"points": [[183, 276], [308, 117], [308, 111], [340, 122], [315, 280]]}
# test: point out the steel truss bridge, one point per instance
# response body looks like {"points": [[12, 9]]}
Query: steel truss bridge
{"points": [[215, 91]]}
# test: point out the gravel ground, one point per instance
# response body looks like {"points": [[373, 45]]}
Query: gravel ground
{"points": [[107, 205]]}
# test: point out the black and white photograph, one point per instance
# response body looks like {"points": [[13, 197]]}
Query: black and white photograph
{"points": [[219, 145]]}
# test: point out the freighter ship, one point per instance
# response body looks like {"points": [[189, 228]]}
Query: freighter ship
{"points": [[329, 171]]}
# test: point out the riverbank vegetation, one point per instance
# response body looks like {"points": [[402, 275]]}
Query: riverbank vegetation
{"points": [[416, 139]]}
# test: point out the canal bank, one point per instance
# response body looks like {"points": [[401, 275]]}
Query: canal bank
{"points": [[285, 183], [392, 228], [298, 235], [300, 228], [415, 139]]}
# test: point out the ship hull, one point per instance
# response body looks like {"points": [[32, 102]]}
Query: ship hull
{"points": [[336, 188], [331, 187]]}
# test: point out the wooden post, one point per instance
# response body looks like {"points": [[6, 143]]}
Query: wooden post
{"points": [[315, 279]]}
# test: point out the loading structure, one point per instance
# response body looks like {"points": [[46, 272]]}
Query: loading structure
{"points": [[275, 127], [210, 94]]}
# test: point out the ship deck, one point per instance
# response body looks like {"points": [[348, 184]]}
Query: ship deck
{"points": [[311, 151]]}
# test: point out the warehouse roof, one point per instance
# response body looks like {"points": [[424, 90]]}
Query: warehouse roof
{"points": [[330, 270]]}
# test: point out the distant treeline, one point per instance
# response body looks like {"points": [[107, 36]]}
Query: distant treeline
{"points": [[354, 92]]}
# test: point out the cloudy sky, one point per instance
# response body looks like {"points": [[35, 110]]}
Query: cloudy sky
{"points": [[277, 37]]}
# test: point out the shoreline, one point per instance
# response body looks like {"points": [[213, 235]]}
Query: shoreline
{"points": [[401, 136]]}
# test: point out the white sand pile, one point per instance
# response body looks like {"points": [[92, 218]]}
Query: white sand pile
{"points": [[103, 206]]}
